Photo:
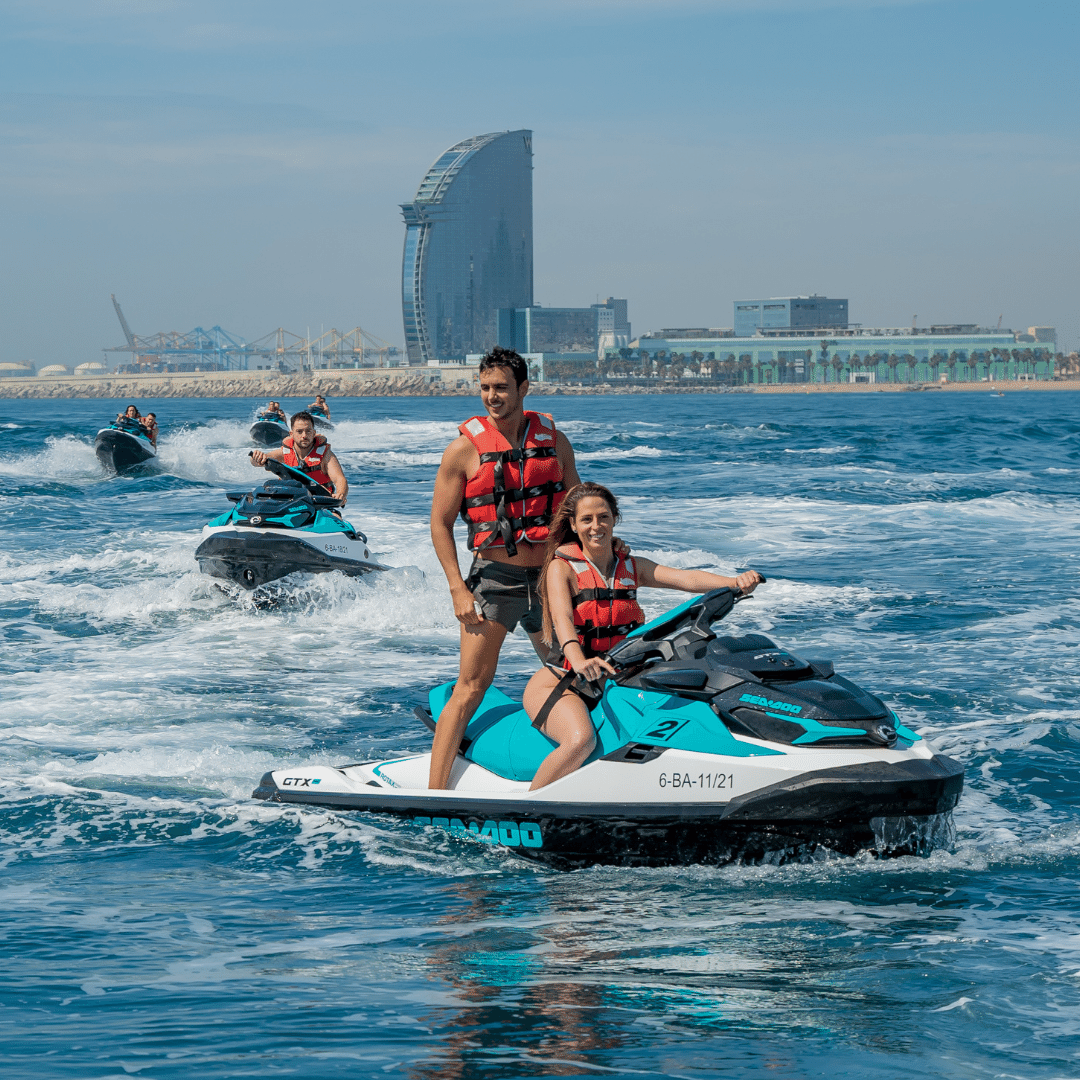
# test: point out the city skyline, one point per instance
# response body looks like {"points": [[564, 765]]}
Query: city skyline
{"points": [[243, 166]]}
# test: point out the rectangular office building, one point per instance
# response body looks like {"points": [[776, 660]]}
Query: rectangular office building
{"points": [[789, 313]]}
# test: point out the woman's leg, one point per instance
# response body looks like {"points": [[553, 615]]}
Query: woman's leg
{"points": [[568, 723]]}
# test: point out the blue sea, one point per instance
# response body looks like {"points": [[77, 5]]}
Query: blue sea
{"points": [[159, 923]]}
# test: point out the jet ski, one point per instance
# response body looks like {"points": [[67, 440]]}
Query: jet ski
{"points": [[290, 524], [268, 431], [123, 445], [709, 749], [322, 421]]}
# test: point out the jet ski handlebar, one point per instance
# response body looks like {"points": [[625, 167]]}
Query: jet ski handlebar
{"points": [[323, 495], [683, 632]]}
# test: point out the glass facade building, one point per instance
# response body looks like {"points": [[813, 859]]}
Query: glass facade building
{"points": [[541, 329], [956, 354], [468, 247], [789, 313]]}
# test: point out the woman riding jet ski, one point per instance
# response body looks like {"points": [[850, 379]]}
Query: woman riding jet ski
{"points": [[288, 525], [125, 443], [271, 426], [702, 749]]}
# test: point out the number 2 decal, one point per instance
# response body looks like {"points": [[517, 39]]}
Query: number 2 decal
{"points": [[665, 729]]}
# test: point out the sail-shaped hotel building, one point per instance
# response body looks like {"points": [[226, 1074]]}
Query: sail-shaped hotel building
{"points": [[468, 247]]}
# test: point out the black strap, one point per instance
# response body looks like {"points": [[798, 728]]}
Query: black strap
{"points": [[592, 634], [520, 454], [604, 595], [515, 494], [549, 702]]}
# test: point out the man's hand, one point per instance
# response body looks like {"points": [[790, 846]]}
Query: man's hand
{"points": [[465, 606], [621, 547], [258, 458]]}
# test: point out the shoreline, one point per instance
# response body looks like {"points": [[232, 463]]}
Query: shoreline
{"points": [[456, 382]]}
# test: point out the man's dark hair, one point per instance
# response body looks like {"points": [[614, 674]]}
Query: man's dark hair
{"points": [[505, 358], [303, 415]]}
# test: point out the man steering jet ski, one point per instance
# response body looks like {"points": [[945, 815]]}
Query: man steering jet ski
{"points": [[303, 449], [699, 748]]}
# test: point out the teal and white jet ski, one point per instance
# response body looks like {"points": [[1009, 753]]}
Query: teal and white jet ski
{"points": [[124, 445], [709, 749], [289, 525]]}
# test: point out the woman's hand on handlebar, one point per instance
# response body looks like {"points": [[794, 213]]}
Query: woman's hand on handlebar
{"points": [[593, 669], [748, 581]]}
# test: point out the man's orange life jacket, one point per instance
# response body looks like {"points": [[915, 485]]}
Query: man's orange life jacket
{"points": [[603, 614], [516, 490], [312, 464]]}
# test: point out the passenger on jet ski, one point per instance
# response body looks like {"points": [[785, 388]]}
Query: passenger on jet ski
{"points": [[589, 592], [273, 411], [318, 407], [149, 421], [130, 413], [303, 449]]}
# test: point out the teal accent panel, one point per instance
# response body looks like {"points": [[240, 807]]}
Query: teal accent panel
{"points": [[327, 523], [221, 519], [816, 731], [905, 732], [438, 697], [663, 618], [660, 719]]}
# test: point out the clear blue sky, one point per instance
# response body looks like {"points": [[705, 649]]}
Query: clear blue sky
{"points": [[241, 163]]}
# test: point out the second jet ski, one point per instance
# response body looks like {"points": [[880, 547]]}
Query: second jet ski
{"points": [[268, 430], [291, 524], [708, 749], [124, 445]]}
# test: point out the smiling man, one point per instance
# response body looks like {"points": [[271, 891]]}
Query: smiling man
{"points": [[506, 473]]}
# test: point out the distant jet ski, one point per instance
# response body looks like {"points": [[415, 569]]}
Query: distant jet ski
{"points": [[709, 749], [124, 445], [288, 525], [321, 423], [268, 431]]}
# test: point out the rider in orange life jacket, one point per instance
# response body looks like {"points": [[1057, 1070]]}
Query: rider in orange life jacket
{"points": [[303, 449], [481, 477], [589, 588], [149, 421]]}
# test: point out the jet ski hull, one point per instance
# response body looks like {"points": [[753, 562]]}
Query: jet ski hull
{"points": [[842, 809], [119, 452], [253, 557], [268, 432]]}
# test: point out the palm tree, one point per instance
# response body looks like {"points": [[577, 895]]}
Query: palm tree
{"points": [[894, 362], [837, 365]]}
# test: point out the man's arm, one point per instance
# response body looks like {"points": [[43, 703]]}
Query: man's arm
{"points": [[445, 504], [337, 476], [259, 457]]}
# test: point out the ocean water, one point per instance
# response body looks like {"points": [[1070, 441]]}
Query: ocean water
{"points": [[157, 922]]}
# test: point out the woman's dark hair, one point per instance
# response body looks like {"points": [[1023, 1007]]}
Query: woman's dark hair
{"points": [[505, 358], [560, 532], [303, 415]]}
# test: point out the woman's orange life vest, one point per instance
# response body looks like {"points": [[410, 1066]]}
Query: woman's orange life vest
{"points": [[603, 614], [312, 464], [516, 490]]}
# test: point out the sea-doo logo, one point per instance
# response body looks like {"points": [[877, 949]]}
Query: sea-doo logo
{"points": [[299, 781], [505, 833], [768, 703]]}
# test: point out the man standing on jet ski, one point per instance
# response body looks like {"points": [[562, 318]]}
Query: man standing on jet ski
{"points": [[589, 592], [305, 450], [508, 515]]}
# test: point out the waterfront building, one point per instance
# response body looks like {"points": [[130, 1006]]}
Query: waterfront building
{"points": [[956, 353], [468, 247], [789, 313]]}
